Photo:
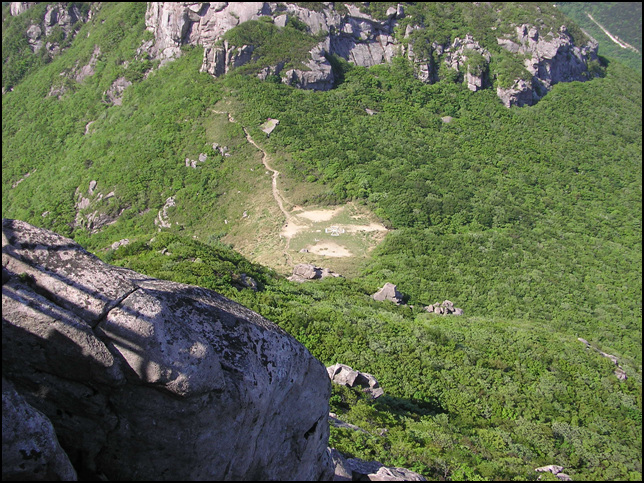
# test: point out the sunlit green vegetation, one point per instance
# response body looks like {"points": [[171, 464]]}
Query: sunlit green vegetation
{"points": [[623, 19], [527, 218]]}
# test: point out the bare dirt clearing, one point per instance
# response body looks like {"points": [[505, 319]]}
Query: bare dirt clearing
{"points": [[339, 237], [319, 215], [330, 249]]}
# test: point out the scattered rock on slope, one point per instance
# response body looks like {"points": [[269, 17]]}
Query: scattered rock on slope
{"points": [[388, 292], [555, 470], [171, 381], [346, 376], [444, 308], [307, 271]]}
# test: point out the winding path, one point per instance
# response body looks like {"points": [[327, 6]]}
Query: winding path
{"points": [[279, 199], [614, 38]]}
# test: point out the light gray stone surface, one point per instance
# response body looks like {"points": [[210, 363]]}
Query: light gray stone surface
{"points": [[173, 382]]}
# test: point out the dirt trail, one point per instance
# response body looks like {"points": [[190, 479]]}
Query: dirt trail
{"points": [[279, 199], [614, 38], [276, 192]]}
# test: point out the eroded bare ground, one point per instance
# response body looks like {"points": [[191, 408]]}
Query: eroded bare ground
{"points": [[322, 235]]}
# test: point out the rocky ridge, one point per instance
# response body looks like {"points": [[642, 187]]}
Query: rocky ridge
{"points": [[58, 15], [550, 57], [147, 379], [365, 41]]}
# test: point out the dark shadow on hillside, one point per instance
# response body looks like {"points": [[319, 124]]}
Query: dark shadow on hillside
{"points": [[340, 67], [409, 407]]}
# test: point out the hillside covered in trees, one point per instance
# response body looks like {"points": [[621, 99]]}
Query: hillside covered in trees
{"points": [[529, 218]]}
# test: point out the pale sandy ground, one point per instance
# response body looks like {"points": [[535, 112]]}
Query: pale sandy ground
{"points": [[291, 229], [329, 249], [320, 215]]}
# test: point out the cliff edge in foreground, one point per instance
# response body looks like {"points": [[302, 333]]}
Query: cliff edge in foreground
{"points": [[144, 379]]}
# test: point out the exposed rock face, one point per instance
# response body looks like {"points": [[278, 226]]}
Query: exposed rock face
{"points": [[90, 210], [319, 75], [162, 219], [346, 376], [19, 7], [551, 58], [364, 41], [362, 470], [460, 52], [173, 382], [176, 23], [220, 60], [115, 93], [355, 469], [30, 449], [354, 36], [63, 15], [389, 292]]}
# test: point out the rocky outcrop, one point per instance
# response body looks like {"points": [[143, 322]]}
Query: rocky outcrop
{"points": [[307, 271], [444, 308], [175, 23], [364, 41], [221, 60], [114, 94], [550, 58], [91, 210], [317, 73], [346, 376], [61, 15], [144, 379], [555, 470], [30, 449], [388, 292], [355, 36], [162, 219], [17, 8], [356, 469], [468, 57]]}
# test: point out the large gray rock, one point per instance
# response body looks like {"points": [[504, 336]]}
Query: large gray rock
{"points": [[146, 379], [346, 376], [388, 292], [356, 469], [459, 53], [30, 449], [445, 308], [307, 271], [19, 7], [62, 14]]}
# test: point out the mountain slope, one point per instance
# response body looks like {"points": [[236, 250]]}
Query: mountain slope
{"points": [[527, 217], [621, 20]]}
